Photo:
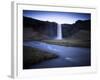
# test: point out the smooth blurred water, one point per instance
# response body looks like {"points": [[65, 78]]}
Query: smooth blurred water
{"points": [[68, 56], [59, 32]]}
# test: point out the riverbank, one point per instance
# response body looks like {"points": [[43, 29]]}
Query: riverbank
{"points": [[58, 56], [34, 56], [69, 43]]}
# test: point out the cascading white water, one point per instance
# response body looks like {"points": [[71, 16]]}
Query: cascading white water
{"points": [[59, 32]]}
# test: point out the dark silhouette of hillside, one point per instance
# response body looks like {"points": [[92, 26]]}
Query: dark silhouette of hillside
{"points": [[84, 25], [70, 29], [44, 29], [37, 29]]}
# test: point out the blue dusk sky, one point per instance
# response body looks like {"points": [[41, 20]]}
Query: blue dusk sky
{"points": [[59, 17]]}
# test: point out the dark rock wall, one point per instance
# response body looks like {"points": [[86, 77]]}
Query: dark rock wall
{"points": [[70, 29], [48, 30], [44, 28]]}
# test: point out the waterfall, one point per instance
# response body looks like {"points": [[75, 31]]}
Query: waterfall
{"points": [[59, 32]]}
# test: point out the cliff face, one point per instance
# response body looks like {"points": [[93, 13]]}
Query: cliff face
{"points": [[40, 29], [83, 25], [68, 30], [71, 29]]}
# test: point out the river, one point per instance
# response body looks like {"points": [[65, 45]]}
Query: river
{"points": [[68, 56]]}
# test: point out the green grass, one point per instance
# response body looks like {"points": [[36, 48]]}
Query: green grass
{"points": [[69, 42], [34, 56], [79, 39]]}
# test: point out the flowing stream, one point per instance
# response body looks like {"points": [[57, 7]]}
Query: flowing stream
{"points": [[68, 56]]}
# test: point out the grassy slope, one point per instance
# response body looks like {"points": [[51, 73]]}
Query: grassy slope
{"points": [[80, 39], [33, 56], [81, 35]]}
